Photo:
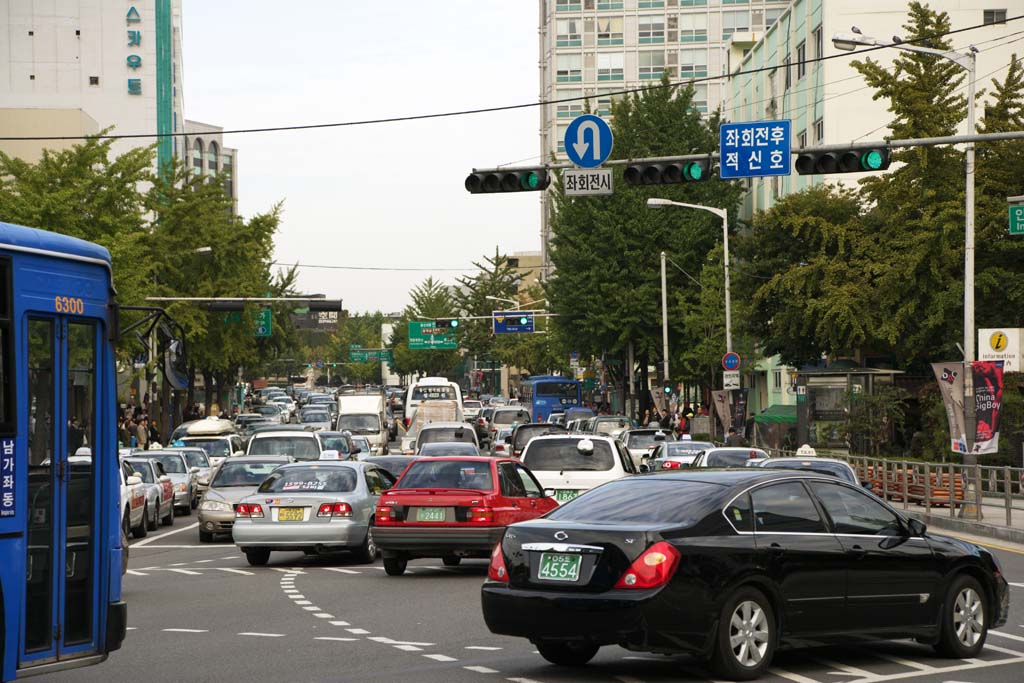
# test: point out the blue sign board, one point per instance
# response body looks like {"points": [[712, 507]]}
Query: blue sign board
{"points": [[751, 150], [7, 502], [588, 141], [513, 322], [731, 361]]}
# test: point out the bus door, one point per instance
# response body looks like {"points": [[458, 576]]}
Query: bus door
{"points": [[61, 563]]}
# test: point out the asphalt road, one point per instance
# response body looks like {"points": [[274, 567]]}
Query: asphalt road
{"points": [[201, 613]]}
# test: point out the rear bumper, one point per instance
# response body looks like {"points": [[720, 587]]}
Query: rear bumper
{"points": [[435, 542], [117, 625], [287, 535]]}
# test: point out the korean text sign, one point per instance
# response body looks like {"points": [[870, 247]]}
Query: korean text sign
{"points": [[758, 148]]}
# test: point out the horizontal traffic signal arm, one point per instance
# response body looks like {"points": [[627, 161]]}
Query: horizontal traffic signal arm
{"points": [[854, 160], [522, 180], [669, 173]]}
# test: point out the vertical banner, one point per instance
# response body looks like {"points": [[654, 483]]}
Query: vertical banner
{"points": [[739, 410], [951, 384], [7, 483], [988, 402], [723, 409]]}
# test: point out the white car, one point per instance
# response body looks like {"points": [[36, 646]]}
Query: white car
{"points": [[133, 502], [299, 444], [471, 409], [640, 442], [159, 491], [571, 464]]}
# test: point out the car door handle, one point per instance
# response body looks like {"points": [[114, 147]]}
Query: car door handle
{"points": [[776, 549], [857, 551]]}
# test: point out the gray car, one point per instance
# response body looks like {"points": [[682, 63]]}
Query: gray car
{"points": [[197, 457], [233, 480], [183, 478], [159, 506], [320, 507]]}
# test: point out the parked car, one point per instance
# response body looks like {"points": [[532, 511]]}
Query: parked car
{"points": [[729, 456], [159, 491], [770, 557], [572, 464], [234, 480], [133, 502], [183, 478], [454, 508], [317, 508]]}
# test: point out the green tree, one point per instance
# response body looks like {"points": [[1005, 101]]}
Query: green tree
{"points": [[495, 277], [430, 300]]}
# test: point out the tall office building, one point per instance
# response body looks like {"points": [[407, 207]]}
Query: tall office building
{"points": [[598, 47]]}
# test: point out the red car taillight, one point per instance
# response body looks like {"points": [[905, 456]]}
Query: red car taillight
{"points": [[408, 421], [671, 465], [653, 569], [480, 422], [481, 515], [248, 510], [497, 571], [383, 514], [335, 510]]}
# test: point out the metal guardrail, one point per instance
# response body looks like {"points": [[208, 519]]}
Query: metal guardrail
{"points": [[980, 492]]}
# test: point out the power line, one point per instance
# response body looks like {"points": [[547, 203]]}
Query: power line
{"points": [[371, 268], [488, 110]]}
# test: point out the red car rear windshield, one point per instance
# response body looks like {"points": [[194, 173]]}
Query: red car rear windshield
{"points": [[447, 474]]}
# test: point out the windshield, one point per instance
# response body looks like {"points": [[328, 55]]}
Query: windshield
{"points": [[242, 473], [216, 448], [557, 389], [475, 405], [644, 439], [196, 459], [267, 410], [299, 447], [451, 474], [447, 448], [562, 454], [334, 442], [646, 501], [435, 434], [732, 458], [308, 416], [433, 393], [507, 417], [360, 424], [311, 479], [609, 426], [527, 432], [144, 471], [687, 447], [833, 468], [173, 464]]}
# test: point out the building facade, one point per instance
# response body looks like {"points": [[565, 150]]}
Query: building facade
{"points": [[205, 154]]}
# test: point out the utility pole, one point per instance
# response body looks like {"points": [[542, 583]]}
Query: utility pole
{"points": [[664, 320]]}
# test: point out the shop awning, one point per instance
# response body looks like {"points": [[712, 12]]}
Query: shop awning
{"points": [[777, 414]]}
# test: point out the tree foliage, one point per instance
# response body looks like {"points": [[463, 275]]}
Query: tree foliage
{"points": [[430, 300], [495, 277]]}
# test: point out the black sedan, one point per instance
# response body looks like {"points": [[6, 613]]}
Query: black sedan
{"points": [[726, 564]]}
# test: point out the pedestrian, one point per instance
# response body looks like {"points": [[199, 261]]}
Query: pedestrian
{"points": [[647, 418], [154, 432], [142, 433], [733, 439]]}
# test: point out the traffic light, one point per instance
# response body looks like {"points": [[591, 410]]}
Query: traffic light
{"points": [[524, 320], [857, 160], [667, 388], [668, 173], [511, 181], [448, 323]]}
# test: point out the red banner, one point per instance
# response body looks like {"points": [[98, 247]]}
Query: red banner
{"points": [[988, 404]]}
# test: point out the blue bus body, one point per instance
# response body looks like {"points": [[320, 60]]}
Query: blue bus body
{"points": [[546, 394], [60, 500]]}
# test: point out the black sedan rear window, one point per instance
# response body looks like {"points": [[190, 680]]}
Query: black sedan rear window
{"points": [[450, 474], [463, 434], [640, 501], [563, 454], [312, 479]]}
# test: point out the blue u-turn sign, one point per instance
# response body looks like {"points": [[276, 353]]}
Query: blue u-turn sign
{"points": [[588, 141]]}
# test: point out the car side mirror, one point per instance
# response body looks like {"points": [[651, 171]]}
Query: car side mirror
{"points": [[164, 477], [867, 486], [194, 470], [550, 493], [916, 527], [357, 450], [645, 468], [204, 482], [133, 480]]}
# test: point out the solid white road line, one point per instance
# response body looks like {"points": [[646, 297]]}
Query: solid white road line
{"points": [[441, 658], [480, 669], [1004, 650], [235, 571], [262, 635], [1016, 585], [944, 670], [482, 647], [174, 547], [796, 678], [185, 571], [842, 669], [1006, 635], [185, 630], [147, 541], [901, 661], [336, 639], [135, 573], [341, 571]]}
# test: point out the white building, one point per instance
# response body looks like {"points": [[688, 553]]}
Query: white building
{"points": [[828, 102], [206, 154]]}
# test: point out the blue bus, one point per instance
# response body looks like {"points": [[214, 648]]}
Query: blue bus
{"points": [[60, 509], [546, 394]]}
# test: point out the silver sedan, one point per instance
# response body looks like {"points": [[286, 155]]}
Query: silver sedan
{"points": [[317, 508]]}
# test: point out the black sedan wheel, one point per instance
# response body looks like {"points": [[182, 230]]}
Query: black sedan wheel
{"points": [[395, 566], [451, 560], [746, 636], [567, 654], [258, 557], [963, 623]]}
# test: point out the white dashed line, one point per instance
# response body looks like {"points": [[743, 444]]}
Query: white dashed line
{"points": [[480, 669], [235, 571], [358, 631], [303, 602], [482, 647], [230, 557], [286, 571], [262, 635], [1016, 585], [441, 658], [323, 615], [131, 628], [336, 639], [408, 648], [341, 571], [149, 540], [178, 564], [291, 591], [389, 641], [296, 595], [1004, 650], [311, 608], [185, 571], [202, 561], [184, 630], [135, 573], [339, 623]]}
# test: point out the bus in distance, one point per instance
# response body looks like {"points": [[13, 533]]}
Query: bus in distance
{"points": [[546, 394]]}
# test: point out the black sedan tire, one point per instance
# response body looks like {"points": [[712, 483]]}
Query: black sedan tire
{"points": [[746, 638], [395, 566], [451, 560], [257, 557], [152, 525], [963, 624], [567, 653], [205, 536], [368, 551]]}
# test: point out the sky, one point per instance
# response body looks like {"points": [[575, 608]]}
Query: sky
{"points": [[387, 195]]}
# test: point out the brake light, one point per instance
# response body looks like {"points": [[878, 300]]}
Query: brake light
{"points": [[383, 514], [499, 446], [671, 465], [408, 421], [341, 510], [255, 510], [653, 569], [481, 514], [248, 510], [497, 571], [241, 510], [480, 421]]}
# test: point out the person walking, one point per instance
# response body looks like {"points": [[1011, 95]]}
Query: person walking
{"points": [[142, 433], [733, 439]]}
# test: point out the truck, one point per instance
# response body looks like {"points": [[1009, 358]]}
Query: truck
{"points": [[365, 416]]}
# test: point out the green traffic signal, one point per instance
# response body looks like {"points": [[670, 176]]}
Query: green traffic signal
{"points": [[693, 171], [454, 324], [529, 181], [523, 320], [872, 161]]}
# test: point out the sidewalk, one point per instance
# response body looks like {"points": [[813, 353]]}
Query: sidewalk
{"points": [[992, 525]]}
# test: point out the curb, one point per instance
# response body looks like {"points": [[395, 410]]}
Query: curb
{"points": [[1002, 533]]}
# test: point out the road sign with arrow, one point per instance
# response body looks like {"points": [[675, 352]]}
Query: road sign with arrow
{"points": [[588, 141]]}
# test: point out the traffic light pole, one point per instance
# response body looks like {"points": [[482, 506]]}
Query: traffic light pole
{"points": [[664, 320]]}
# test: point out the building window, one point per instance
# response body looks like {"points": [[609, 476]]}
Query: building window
{"points": [[771, 16], [212, 158], [700, 97], [693, 63], [569, 68], [819, 130], [693, 28], [568, 110], [735, 2], [609, 31], [561, 138], [609, 4], [819, 43], [567, 5], [197, 156], [229, 167], [733, 22], [995, 16], [652, 64], [777, 380], [652, 30], [693, 3], [801, 60], [605, 98], [94, 80], [787, 74], [611, 67], [650, 4], [801, 139], [567, 33]]}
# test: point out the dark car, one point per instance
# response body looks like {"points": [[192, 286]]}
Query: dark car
{"points": [[728, 564], [521, 434], [394, 464]]}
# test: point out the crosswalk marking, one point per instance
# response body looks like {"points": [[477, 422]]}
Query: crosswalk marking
{"points": [[842, 669], [441, 658], [901, 661], [480, 669], [1006, 635], [796, 678], [337, 639]]}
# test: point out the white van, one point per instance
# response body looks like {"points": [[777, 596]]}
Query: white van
{"points": [[430, 389], [365, 416]]}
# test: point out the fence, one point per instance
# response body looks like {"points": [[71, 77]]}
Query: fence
{"points": [[978, 492]]}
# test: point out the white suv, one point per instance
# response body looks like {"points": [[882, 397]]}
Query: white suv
{"points": [[572, 464]]}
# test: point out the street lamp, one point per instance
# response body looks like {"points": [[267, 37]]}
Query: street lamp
{"points": [[531, 302], [657, 203], [501, 298]]}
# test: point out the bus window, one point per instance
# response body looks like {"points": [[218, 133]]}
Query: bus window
{"points": [[39, 572], [81, 414], [7, 416]]}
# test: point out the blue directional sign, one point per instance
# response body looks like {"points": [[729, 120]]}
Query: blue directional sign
{"points": [[588, 141], [755, 149], [513, 322]]}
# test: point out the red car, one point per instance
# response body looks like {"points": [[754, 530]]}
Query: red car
{"points": [[454, 507]]}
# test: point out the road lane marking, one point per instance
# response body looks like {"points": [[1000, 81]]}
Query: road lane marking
{"points": [[389, 641], [323, 615], [185, 571], [230, 557], [441, 658], [340, 570], [185, 630], [358, 631], [943, 670], [149, 540], [522, 680], [900, 660], [408, 648], [482, 647], [178, 564], [236, 571], [303, 602], [311, 608], [262, 635], [842, 669], [796, 678], [1016, 585], [1006, 635], [201, 561], [135, 573], [339, 623], [286, 571], [1004, 650], [291, 591], [131, 628], [481, 669], [337, 639]]}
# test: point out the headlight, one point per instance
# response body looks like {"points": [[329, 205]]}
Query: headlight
{"points": [[182, 488], [214, 506]]}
